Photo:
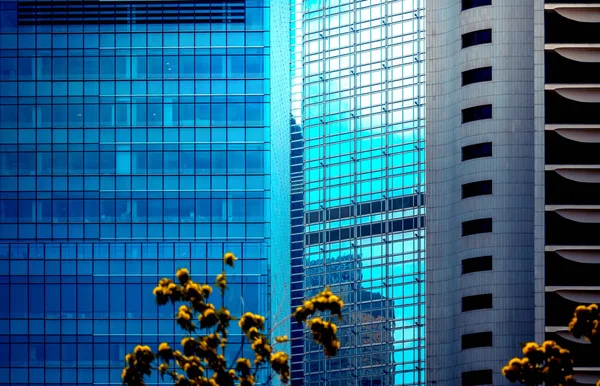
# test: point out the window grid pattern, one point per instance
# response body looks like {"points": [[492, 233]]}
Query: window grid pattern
{"points": [[126, 152], [363, 121], [297, 191]]}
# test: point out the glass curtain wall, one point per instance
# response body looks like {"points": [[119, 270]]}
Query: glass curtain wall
{"points": [[297, 189], [135, 139], [363, 122]]}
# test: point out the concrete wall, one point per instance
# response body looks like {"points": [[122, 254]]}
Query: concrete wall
{"points": [[511, 130]]}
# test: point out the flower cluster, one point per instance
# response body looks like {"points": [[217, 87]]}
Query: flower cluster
{"points": [[184, 318], [229, 258], [281, 339], [248, 321], [586, 323], [202, 361], [221, 282], [280, 364], [262, 349], [323, 301], [166, 291], [324, 333], [138, 364], [548, 364]]}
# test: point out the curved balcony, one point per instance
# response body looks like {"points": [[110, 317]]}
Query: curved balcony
{"points": [[579, 173], [583, 254], [564, 333], [583, 13], [562, 70], [564, 191], [585, 53], [572, 265], [587, 214], [561, 150], [560, 29], [586, 375], [562, 231], [561, 110], [584, 355], [584, 93], [579, 133], [577, 294]]}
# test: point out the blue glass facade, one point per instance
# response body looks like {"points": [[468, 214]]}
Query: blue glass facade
{"points": [[360, 69], [135, 138]]}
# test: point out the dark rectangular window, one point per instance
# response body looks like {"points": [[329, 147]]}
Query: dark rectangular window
{"points": [[477, 150], [468, 4], [473, 227], [477, 75], [479, 339], [476, 302], [478, 377], [476, 113], [478, 188], [476, 37], [477, 264]]}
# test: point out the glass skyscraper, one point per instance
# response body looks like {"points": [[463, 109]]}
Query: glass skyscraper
{"points": [[358, 92], [136, 137]]}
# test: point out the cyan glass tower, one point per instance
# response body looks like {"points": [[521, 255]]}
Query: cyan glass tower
{"points": [[136, 137], [361, 68]]}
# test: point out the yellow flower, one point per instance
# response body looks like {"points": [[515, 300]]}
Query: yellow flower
{"points": [[281, 339], [229, 258], [279, 364], [165, 351], [262, 349], [166, 290], [249, 320], [141, 349], [530, 347], [206, 290], [184, 318], [162, 368], [189, 345], [243, 366], [221, 282], [208, 317], [182, 381], [183, 275], [247, 380], [252, 333]]}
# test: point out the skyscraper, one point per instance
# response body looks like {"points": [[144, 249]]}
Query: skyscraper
{"points": [[361, 67], [136, 137], [512, 182], [480, 184], [566, 108]]}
